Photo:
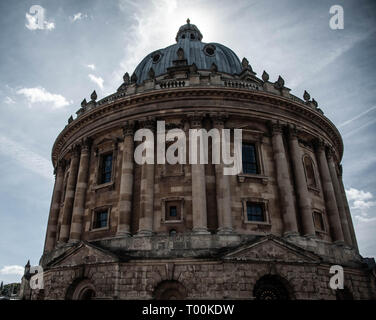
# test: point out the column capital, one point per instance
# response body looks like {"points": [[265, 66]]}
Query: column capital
{"points": [[331, 153], [276, 128], [319, 145], [75, 150], [86, 144], [148, 123], [60, 165], [128, 128], [219, 119], [195, 119], [178, 125], [293, 131]]}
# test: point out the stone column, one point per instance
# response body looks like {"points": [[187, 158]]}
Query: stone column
{"points": [[302, 193], [329, 195], [80, 194], [285, 189], [145, 227], [222, 184], [69, 196], [339, 198], [126, 182], [199, 210], [347, 209], [55, 207]]}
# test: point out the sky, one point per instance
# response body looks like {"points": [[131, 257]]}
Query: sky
{"points": [[48, 67]]}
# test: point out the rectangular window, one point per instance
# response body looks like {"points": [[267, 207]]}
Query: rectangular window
{"points": [[105, 168], [173, 210], [255, 212], [100, 219], [318, 221], [249, 158]]}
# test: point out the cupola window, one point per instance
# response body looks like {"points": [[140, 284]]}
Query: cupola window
{"points": [[156, 57], [209, 50]]}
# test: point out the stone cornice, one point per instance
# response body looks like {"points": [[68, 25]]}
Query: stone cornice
{"points": [[131, 106]]}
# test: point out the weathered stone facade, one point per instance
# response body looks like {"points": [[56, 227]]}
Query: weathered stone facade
{"points": [[109, 235], [232, 274]]}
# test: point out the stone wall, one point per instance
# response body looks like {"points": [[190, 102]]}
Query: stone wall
{"points": [[202, 280]]}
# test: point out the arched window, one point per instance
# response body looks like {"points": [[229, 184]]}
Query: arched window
{"points": [[170, 290], [271, 287], [309, 171], [80, 289]]}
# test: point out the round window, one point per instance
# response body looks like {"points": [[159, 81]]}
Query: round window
{"points": [[209, 50], [156, 57]]}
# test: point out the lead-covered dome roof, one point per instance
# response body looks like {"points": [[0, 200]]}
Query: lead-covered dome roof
{"points": [[203, 55]]}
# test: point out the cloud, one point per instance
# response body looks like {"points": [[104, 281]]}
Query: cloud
{"points": [[26, 158], [9, 100], [97, 80], [355, 194], [49, 25], [351, 132], [39, 94], [154, 25], [140, 39], [362, 203], [12, 270], [78, 16], [331, 56], [363, 219], [356, 117], [36, 20], [91, 66]]}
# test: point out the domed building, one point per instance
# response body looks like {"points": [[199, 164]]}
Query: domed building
{"points": [[122, 230]]}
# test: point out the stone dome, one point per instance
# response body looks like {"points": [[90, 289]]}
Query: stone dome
{"points": [[203, 55]]}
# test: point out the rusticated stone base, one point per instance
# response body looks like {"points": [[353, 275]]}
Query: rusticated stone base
{"points": [[243, 271]]}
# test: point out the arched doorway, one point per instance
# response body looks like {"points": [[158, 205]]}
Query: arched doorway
{"points": [[170, 290], [86, 294], [271, 287], [81, 289]]}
